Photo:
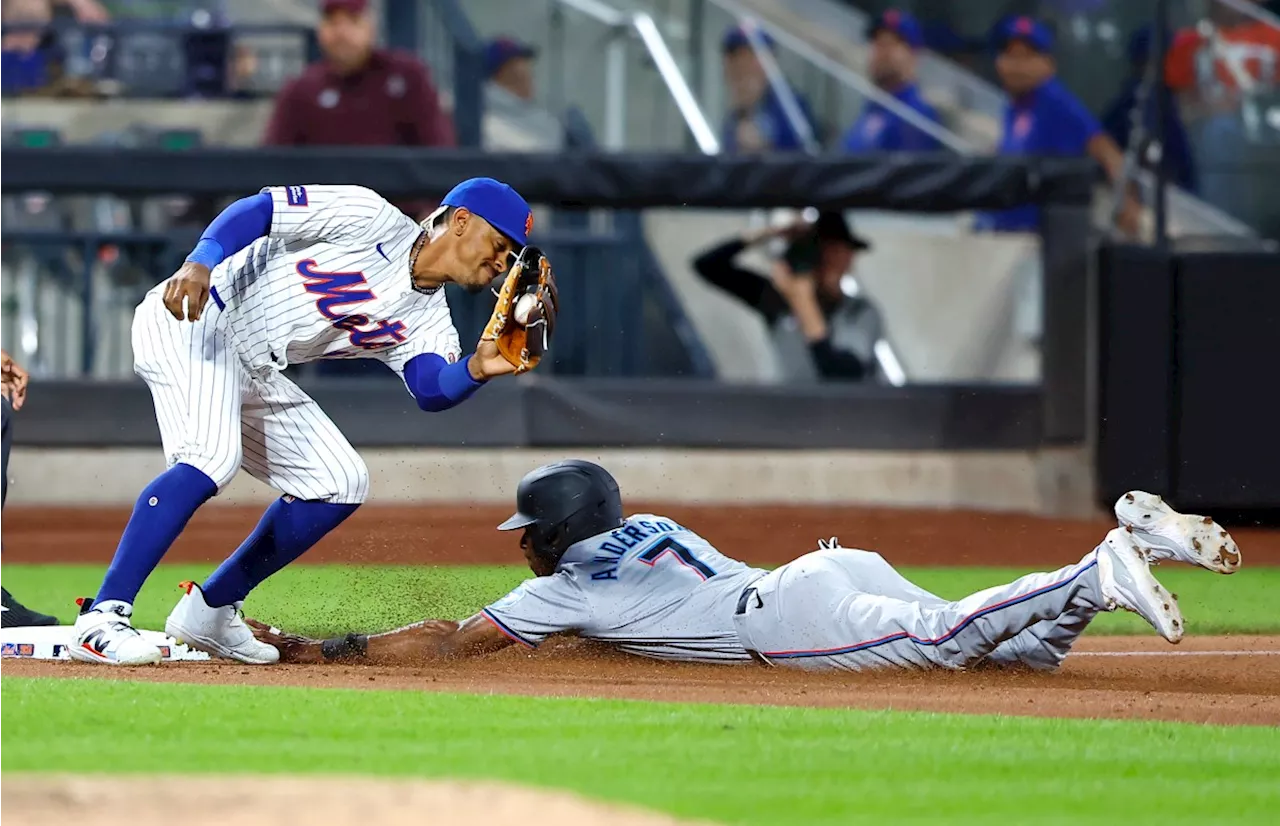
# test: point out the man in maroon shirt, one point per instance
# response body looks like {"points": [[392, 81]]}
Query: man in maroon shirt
{"points": [[359, 95]]}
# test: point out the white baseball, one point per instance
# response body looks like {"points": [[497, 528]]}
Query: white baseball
{"points": [[524, 307]]}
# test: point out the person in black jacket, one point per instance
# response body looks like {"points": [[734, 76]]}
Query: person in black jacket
{"points": [[804, 284]]}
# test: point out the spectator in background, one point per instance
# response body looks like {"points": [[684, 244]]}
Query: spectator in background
{"points": [[85, 11], [358, 95], [241, 70], [1210, 66], [1175, 153], [28, 61], [803, 294], [896, 39], [757, 120], [1213, 68], [508, 64], [1044, 118]]}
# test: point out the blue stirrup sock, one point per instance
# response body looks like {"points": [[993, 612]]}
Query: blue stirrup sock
{"points": [[160, 514], [286, 531]]}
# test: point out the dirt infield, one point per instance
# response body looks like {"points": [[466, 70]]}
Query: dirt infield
{"points": [[269, 801], [465, 535], [1155, 681]]}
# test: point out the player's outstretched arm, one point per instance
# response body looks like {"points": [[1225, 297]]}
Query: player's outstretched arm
{"points": [[514, 341], [417, 644]]}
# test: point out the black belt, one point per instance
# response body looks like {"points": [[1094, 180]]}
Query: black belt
{"points": [[743, 600]]}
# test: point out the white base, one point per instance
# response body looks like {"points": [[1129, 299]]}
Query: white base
{"points": [[54, 642]]}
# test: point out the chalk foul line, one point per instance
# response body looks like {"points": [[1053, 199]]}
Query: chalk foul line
{"points": [[1227, 653]]}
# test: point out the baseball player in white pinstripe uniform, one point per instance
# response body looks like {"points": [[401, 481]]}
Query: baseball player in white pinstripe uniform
{"points": [[650, 586], [288, 276]]}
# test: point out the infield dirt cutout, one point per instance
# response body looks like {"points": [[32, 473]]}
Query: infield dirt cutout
{"points": [[273, 801]]}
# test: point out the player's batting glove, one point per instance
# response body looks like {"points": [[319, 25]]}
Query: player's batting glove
{"points": [[523, 345]]}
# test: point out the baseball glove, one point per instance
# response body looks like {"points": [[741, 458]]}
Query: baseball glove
{"points": [[523, 345]]}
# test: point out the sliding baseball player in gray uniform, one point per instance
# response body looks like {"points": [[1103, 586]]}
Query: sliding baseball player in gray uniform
{"points": [[654, 588]]}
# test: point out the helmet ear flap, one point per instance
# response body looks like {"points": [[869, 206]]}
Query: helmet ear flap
{"points": [[546, 541]]}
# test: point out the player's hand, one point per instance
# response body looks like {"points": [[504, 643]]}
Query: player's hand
{"points": [[793, 287], [292, 648], [189, 283], [487, 363], [13, 381]]}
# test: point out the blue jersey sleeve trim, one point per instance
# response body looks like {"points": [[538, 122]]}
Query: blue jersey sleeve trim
{"points": [[235, 228]]}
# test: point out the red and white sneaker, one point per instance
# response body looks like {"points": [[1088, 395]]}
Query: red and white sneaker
{"points": [[105, 634]]}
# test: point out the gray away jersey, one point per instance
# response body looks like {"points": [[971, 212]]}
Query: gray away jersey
{"points": [[651, 587]]}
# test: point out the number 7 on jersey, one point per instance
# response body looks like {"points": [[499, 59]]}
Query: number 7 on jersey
{"points": [[682, 554]]}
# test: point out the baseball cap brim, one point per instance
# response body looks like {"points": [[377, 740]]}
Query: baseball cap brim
{"points": [[1033, 42]]}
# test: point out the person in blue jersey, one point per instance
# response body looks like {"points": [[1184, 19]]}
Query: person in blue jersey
{"points": [[1044, 118], [896, 39], [757, 119]]}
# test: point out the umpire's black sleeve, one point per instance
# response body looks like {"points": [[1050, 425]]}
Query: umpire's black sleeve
{"points": [[833, 363], [717, 267]]}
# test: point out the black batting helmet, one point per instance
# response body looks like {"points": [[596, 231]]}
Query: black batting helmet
{"points": [[563, 503]]}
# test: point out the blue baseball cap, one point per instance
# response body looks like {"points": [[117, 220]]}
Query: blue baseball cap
{"points": [[497, 203], [497, 52], [735, 37], [904, 25], [1028, 30]]}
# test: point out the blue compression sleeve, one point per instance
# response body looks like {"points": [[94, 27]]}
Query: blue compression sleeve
{"points": [[238, 226], [286, 531], [437, 385], [159, 516]]}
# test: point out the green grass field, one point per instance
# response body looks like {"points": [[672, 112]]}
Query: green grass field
{"points": [[323, 599], [734, 764]]}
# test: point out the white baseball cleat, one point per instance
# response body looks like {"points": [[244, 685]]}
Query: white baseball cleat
{"points": [[104, 634], [218, 631], [1164, 533], [1127, 582]]}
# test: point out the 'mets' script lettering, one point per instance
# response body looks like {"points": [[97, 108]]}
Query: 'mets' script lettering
{"points": [[337, 290]]}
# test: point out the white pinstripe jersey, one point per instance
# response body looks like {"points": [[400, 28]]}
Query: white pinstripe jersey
{"points": [[331, 281], [651, 587]]}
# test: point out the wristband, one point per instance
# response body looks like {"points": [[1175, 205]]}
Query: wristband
{"points": [[208, 252], [352, 646]]}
